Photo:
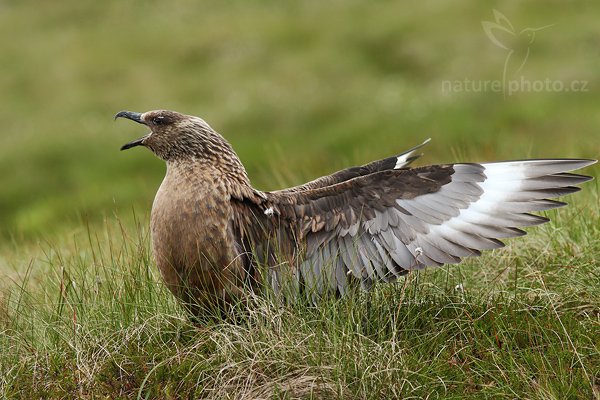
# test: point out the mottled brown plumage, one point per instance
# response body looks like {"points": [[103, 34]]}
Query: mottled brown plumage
{"points": [[214, 236]]}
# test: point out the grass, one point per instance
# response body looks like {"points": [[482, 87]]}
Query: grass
{"points": [[521, 322], [300, 90]]}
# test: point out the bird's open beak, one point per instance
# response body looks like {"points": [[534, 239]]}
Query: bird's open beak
{"points": [[137, 142], [134, 116]]}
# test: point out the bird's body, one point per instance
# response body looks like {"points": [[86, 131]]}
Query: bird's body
{"points": [[192, 203], [214, 235], [195, 243]]}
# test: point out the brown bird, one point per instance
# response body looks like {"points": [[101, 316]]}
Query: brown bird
{"points": [[214, 235]]}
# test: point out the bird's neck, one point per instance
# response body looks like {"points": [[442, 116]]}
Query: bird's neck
{"points": [[226, 174]]}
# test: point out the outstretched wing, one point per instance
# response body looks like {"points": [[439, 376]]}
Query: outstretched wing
{"points": [[396, 162], [381, 225]]}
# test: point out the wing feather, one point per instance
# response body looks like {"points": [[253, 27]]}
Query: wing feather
{"points": [[383, 223]]}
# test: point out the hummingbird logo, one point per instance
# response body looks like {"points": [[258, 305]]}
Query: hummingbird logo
{"points": [[517, 43]]}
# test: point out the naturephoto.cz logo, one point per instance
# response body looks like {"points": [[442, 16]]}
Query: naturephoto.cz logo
{"points": [[517, 45]]}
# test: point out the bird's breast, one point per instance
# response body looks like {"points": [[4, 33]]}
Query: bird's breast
{"points": [[190, 227]]}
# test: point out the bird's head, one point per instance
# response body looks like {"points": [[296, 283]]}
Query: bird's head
{"points": [[174, 136]]}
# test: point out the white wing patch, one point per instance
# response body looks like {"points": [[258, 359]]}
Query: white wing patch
{"points": [[510, 191], [404, 158], [401, 160]]}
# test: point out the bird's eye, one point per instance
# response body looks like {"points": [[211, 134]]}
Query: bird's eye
{"points": [[158, 120]]}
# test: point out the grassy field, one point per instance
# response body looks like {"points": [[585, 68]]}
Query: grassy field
{"points": [[300, 90]]}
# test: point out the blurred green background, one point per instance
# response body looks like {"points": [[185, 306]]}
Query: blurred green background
{"points": [[299, 88]]}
